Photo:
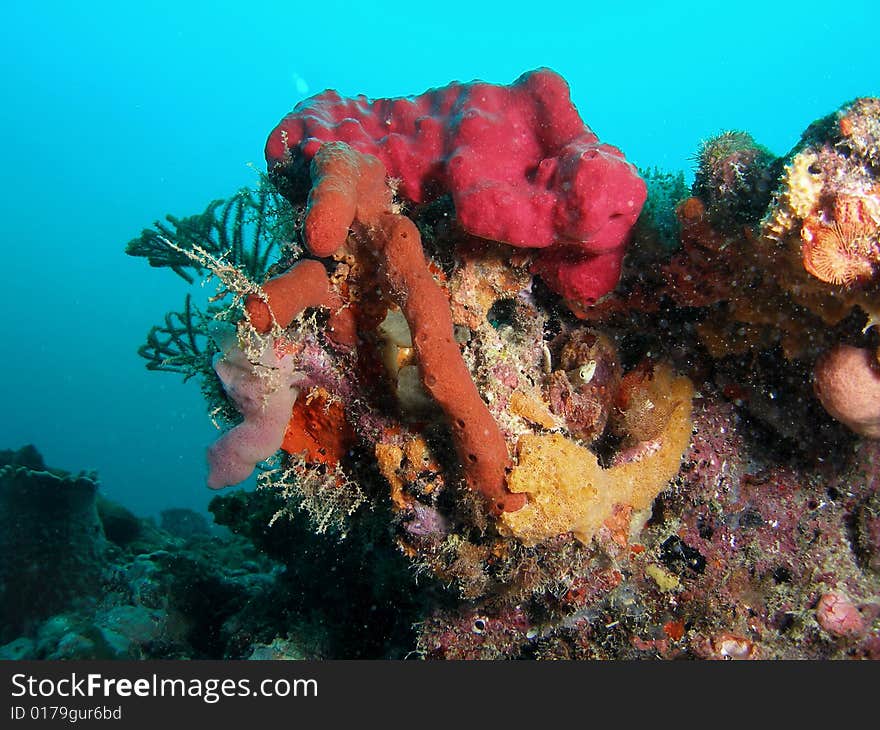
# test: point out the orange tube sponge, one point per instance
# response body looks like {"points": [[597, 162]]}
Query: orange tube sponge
{"points": [[305, 285], [347, 186], [847, 382], [478, 440], [350, 187]]}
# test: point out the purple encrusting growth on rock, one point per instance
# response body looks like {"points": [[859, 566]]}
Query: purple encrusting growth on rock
{"points": [[426, 521], [715, 458]]}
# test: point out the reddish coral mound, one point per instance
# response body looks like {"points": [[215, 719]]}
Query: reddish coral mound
{"points": [[700, 274], [847, 382], [520, 164]]}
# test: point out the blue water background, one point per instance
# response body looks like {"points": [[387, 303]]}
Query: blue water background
{"points": [[112, 114]]}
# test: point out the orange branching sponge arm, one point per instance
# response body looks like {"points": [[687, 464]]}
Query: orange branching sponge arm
{"points": [[349, 189], [305, 285]]}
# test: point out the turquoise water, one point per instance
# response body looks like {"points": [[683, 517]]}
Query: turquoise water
{"points": [[113, 116]]}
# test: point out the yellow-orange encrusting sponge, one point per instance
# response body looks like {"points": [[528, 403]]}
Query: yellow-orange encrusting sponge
{"points": [[569, 492]]}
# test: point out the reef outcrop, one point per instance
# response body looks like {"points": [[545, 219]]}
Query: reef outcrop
{"points": [[597, 428]]}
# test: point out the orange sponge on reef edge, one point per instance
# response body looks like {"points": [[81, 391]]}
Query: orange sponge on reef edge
{"points": [[318, 429]]}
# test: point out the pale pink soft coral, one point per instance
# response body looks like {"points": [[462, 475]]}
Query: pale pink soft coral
{"points": [[847, 382], [264, 391]]}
